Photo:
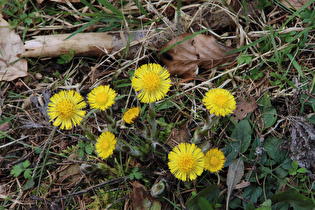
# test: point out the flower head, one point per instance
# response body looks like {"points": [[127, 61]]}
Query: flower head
{"points": [[131, 115], [101, 97], [153, 81], [105, 144], [214, 160], [219, 102], [186, 161], [65, 108]]}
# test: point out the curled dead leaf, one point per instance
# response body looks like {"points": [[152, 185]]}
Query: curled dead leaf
{"points": [[199, 51], [11, 47]]}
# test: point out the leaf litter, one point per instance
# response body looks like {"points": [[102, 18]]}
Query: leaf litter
{"points": [[200, 53], [11, 48]]}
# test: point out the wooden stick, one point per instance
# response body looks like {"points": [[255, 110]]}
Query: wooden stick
{"points": [[82, 44]]}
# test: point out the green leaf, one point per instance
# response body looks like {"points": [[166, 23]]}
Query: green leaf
{"points": [[26, 163], [292, 172], [269, 113], [281, 172], [287, 164], [230, 153], [210, 193], [138, 175], [88, 149], [252, 193], [301, 170], [111, 8], [7, 120], [242, 132], [29, 184], [16, 170], [140, 7], [81, 153], [295, 165], [203, 203], [311, 119], [131, 176], [81, 144], [263, 171], [28, 173], [271, 146], [294, 198]]}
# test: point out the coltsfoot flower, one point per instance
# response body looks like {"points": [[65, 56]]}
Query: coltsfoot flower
{"points": [[219, 102], [153, 82], [65, 108], [106, 144], [186, 161], [101, 97], [214, 160], [131, 115]]}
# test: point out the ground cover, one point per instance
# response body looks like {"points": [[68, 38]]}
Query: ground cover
{"points": [[227, 124]]}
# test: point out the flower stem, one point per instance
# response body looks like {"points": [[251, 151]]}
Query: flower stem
{"points": [[202, 132], [152, 121]]}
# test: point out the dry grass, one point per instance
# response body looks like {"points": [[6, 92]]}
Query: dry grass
{"points": [[280, 66]]}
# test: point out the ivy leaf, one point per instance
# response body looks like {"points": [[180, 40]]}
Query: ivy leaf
{"points": [[16, 170]]}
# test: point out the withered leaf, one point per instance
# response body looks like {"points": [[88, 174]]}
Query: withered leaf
{"points": [[141, 198], [235, 174], [244, 107], [178, 136], [11, 47], [199, 51]]}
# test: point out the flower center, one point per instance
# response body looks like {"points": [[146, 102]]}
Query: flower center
{"points": [[151, 81], [214, 161], [65, 109], [221, 100], [186, 163], [101, 98], [105, 145]]}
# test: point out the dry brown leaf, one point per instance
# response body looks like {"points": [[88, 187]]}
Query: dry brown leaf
{"points": [[178, 135], [200, 51], [5, 127], [11, 47], [297, 4], [141, 198], [244, 107]]}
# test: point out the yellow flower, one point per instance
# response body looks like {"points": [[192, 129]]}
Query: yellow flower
{"points": [[220, 102], [153, 81], [214, 160], [186, 161], [66, 107], [101, 97], [105, 144], [131, 115]]}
